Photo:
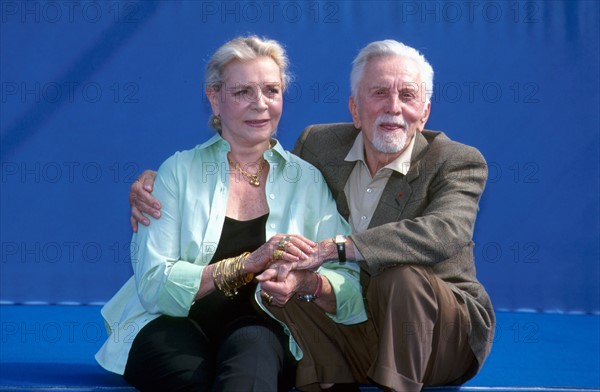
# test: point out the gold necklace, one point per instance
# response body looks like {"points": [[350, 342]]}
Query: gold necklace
{"points": [[253, 179]]}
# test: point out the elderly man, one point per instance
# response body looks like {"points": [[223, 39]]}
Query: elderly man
{"points": [[411, 196]]}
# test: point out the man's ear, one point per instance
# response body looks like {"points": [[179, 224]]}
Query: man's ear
{"points": [[425, 116], [354, 112]]}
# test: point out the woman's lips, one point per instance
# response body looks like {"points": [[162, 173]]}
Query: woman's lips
{"points": [[257, 123]]}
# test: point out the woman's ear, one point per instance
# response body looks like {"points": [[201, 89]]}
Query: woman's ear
{"points": [[213, 97]]}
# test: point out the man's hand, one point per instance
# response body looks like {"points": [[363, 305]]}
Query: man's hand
{"points": [[141, 201]]}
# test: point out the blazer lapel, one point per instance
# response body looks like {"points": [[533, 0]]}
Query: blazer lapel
{"points": [[396, 194], [419, 149]]}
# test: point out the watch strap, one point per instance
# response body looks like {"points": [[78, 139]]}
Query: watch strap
{"points": [[341, 248]]}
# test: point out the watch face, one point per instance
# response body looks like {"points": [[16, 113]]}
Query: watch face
{"points": [[307, 297], [340, 239]]}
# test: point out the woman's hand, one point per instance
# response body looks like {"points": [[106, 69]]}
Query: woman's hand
{"points": [[325, 250], [281, 247], [278, 293], [141, 201]]}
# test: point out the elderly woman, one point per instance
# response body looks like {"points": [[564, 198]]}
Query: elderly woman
{"points": [[192, 317]]}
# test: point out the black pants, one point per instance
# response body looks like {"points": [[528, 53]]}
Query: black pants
{"points": [[173, 354]]}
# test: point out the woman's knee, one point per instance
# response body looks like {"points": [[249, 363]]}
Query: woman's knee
{"points": [[169, 354], [252, 359], [249, 341]]}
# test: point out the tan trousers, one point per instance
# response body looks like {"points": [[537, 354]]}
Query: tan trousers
{"points": [[415, 335]]}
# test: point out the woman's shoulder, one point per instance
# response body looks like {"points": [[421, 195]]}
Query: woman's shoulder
{"points": [[179, 158], [302, 172], [292, 159], [206, 151], [180, 162]]}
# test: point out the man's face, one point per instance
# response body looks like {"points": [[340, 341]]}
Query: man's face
{"points": [[391, 106]]}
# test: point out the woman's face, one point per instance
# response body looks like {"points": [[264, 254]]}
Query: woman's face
{"points": [[249, 102]]}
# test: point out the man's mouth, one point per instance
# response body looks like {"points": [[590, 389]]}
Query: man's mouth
{"points": [[391, 126]]}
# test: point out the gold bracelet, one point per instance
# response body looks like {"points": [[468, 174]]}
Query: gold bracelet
{"points": [[229, 276]]}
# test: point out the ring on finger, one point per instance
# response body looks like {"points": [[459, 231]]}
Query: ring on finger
{"points": [[282, 242], [268, 297], [278, 254]]}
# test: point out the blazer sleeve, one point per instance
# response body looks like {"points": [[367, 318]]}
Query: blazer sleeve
{"points": [[441, 214]]}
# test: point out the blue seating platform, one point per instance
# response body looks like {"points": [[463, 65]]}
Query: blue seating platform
{"points": [[51, 348]]}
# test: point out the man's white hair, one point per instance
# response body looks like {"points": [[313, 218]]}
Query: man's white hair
{"points": [[390, 47]]}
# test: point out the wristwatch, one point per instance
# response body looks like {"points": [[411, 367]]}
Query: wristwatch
{"points": [[340, 242]]}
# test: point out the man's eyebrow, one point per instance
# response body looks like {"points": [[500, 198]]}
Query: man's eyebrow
{"points": [[404, 87], [378, 87], [251, 85], [410, 86]]}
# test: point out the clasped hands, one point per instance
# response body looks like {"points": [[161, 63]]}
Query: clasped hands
{"points": [[284, 266]]}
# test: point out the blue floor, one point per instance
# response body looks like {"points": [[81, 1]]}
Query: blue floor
{"points": [[52, 348]]}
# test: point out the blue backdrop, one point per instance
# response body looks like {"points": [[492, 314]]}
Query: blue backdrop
{"points": [[92, 93]]}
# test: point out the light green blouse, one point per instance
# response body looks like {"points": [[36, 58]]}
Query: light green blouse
{"points": [[168, 256]]}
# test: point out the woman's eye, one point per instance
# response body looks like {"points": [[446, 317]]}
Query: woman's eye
{"points": [[272, 91]]}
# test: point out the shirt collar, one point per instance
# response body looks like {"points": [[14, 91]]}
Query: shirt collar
{"points": [[222, 144], [400, 164]]}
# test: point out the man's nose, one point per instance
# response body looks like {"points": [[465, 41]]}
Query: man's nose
{"points": [[394, 105]]}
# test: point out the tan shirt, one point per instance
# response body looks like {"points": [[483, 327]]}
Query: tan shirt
{"points": [[363, 191]]}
